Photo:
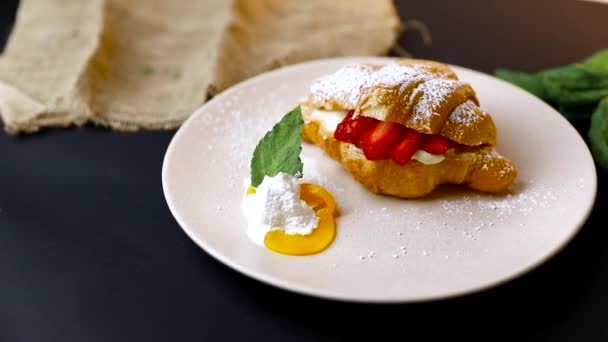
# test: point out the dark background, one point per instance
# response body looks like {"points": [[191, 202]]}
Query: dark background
{"points": [[90, 252]]}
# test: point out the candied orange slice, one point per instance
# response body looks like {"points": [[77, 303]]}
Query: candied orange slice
{"points": [[324, 205], [295, 244], [317, 197]]}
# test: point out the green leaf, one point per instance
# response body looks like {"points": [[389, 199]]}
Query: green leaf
{"points": [[575, 90], [531, 83], [598, 134], [279, 150], [569, 87]]}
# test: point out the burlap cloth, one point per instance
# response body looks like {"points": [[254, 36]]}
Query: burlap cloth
{"points": [[148, 64]]}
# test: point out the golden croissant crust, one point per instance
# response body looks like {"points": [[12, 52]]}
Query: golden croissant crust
{"points": [[422, 95], [425, 96]]}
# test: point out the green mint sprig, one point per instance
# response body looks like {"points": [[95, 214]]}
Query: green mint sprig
{"points": [[279, 150]]}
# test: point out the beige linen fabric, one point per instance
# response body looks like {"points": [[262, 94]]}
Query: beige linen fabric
{"points": [[148, 64]]}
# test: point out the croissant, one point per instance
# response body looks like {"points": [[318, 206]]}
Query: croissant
{"points": [[404, 128]]}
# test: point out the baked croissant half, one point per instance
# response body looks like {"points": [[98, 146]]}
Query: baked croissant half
{"points": [[403, 128]]}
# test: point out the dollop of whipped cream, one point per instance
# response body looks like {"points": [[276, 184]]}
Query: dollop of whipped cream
{"points": [[276, 205]]}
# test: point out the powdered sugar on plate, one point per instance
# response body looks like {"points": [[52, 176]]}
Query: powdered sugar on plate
{"points": [[487, 210]]}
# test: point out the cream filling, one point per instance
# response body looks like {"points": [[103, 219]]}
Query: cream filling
{"points": [[328, 120], [428, 158]]}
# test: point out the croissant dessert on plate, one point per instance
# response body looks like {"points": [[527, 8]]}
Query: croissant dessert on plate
{"points": [[403, 128]]}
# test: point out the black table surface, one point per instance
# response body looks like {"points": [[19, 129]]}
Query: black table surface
{"points": [[90, 252]]}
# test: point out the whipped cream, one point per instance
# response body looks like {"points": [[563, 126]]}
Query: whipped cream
{"points": [[428, 158], [276, 205], [328, 120]]}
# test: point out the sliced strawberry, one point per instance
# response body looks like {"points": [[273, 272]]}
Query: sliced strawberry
{"points": [[352, 130], [363, 125], [405, 149], [344, 130], [435, 144], [378, 143]]}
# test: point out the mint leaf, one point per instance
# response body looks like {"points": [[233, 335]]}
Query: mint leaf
{"points": [[279, 150], [598, 134]]}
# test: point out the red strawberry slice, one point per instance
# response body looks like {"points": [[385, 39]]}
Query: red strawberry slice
{"points": [[405, 149], [344, 130], [352, 130], [435, 144], [363, 125], [378, 143]]}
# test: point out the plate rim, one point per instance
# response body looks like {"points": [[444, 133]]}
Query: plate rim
{"points": [[277, 282]]}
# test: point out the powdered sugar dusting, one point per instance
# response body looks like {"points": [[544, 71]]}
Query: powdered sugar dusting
{"points": [[352, 83], [345, 84], [433, 94], [489, 159], [392, 75], [465, 218], [232, 126], [467, 114], [493, 210]]}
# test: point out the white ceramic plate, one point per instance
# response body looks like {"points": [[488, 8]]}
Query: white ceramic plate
{"points": [[387, 250]]}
